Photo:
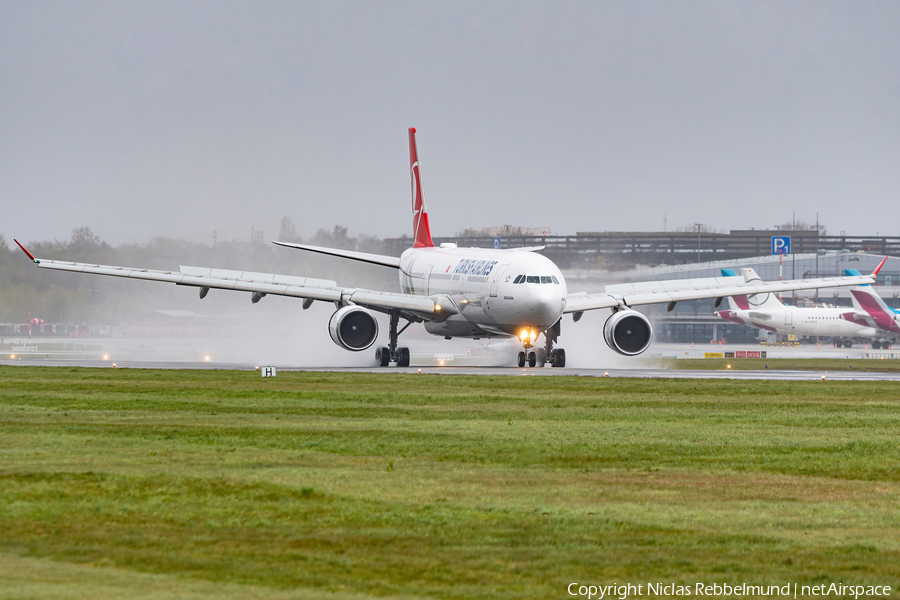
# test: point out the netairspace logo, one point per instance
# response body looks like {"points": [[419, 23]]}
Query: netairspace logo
{"points": [[629, 590]]}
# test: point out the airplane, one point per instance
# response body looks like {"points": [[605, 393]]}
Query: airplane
{"points": [[870, 310], [461, 292], [768, 313]]}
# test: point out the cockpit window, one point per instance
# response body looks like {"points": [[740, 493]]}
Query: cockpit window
{"points": [[555, 280], [546, 279], [520, 279], [533, 279]]}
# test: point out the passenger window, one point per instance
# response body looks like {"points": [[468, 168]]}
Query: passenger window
{"points": [[533, 279], [546, 279], [555, 280]]}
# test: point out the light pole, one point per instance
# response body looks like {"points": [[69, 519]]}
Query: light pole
{"points": [[817, 253], [793, 264], [698, 243]]}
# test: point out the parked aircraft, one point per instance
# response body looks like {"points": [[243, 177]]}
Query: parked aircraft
{"points": [[870, 310], [767, 312], [462, 292]]}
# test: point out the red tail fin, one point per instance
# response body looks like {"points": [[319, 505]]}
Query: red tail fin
{"points": [[421, 231]]}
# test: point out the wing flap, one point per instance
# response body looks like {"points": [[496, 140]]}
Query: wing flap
{"points": [[393, 300], [585, 302]]}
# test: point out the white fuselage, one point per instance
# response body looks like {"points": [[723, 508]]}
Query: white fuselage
{"points": [[481, 285], [821, 322]]}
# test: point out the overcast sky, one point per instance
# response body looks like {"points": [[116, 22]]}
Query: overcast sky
{"points": [[141, 119]]}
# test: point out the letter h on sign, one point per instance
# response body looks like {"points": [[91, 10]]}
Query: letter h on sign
{"points": [[268, 371]]}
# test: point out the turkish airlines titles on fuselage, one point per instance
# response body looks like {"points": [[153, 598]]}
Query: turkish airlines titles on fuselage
{"points": [[500, 291]]}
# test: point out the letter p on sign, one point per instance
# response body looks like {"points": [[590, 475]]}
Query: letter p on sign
{"points": [[781, 244]]}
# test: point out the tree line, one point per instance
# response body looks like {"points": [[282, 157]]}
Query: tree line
{"points": [[59, 297]]}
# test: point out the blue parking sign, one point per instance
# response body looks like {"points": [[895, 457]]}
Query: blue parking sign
{"points": [[781, 244], [497, 243]]}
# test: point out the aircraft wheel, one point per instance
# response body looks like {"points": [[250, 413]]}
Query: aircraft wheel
{"points": [[848, 344], [560, 359], [876, 345], [383, 356], [532, 359], [521, 359], [403, 361]]}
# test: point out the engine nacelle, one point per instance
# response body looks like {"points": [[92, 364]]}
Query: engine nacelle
{"points": [[627, 332], [353, 328]]}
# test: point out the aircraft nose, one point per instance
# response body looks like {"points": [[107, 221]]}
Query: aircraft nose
{"points": [[548, 305]]}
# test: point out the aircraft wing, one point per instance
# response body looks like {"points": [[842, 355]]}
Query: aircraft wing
{"points": [[678, 290], [263, 284]]}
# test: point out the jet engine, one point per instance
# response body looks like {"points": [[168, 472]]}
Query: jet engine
{"points": [[353, 328], [627, 332]]}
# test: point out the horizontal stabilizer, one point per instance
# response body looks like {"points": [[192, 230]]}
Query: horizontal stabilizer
{"points": [[526, 249], [760, 315], [375, 259]]}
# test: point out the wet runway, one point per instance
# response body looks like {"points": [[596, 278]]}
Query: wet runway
{"points": [[654, 373]]}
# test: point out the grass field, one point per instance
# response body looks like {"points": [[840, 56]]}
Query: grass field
{"points": [[221, 484]]}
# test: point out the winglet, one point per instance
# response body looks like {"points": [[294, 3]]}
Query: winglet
{"points": [[874, 273], [31, 256]]}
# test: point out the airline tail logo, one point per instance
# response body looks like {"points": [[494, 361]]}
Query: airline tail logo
{"points": [[870, 302], [735, 302], [421, 230]]}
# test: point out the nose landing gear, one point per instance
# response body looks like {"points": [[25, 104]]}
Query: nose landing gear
{"points": [[532, 358], [548, 354]]}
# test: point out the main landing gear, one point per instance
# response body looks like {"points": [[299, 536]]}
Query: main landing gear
{"points": [[548, 354], [391, 353]]}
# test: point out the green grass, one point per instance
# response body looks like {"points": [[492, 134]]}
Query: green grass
{"points": [[200, 484]]}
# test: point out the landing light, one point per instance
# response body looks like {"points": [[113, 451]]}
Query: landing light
{"points": [[206, 358], [437, 307], [105, 357], [528, 335], [12, 356]]}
